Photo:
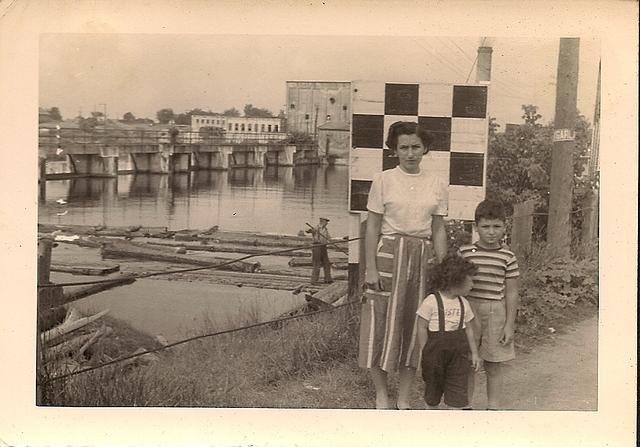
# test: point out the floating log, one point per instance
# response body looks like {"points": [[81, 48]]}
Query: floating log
{"points": [[306, 262], [133, 230], [85, 269], [126, 249], [207, 236], [301, 273], [230, 248], [69, 326], [329, 294], [83, 291], [264, 239], [257, 280]]}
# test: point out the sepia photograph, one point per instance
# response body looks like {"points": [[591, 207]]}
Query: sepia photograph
{"points": [[193, 188], [306, 220]]}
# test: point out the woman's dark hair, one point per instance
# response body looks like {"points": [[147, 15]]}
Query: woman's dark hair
{"points": [[451, 272], [407, 128]]}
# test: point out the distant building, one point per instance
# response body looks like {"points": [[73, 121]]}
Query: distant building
{"points": [[311, 104], [235, 127], [333, 141], [243, 124], [208, 120]]}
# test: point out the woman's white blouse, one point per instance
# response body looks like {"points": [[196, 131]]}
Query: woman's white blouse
{"points": [[407, 201]]}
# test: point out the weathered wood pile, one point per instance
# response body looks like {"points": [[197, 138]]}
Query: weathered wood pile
{"points": [[128, 249], [212, 239], [65, 337], [198, 248]]}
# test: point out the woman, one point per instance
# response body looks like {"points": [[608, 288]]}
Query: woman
{"points": [[405, 227]]}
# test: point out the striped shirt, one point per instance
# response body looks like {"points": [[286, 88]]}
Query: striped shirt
{"points": [[495, 266]]}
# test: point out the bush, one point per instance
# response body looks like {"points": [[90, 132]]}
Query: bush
{"points": [[552, 291]]}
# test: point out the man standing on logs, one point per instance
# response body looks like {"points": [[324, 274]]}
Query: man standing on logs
{"points": [[319, 255]]}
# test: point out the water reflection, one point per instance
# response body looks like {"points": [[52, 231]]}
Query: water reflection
{"points": [[273, 199]]}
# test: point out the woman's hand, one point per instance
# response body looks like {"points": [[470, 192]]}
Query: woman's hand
{"points": [[372, 280], [476, 362]]}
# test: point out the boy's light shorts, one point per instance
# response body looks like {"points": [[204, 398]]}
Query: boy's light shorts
{"points": [[489, 321]]}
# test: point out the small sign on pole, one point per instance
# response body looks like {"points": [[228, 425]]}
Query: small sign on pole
{"points": [[564, 135]]}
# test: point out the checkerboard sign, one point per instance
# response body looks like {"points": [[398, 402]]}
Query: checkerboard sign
{"points": [[456, 116]]}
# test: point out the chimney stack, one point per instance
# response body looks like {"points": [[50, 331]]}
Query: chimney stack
{"points": [[483, 67]]}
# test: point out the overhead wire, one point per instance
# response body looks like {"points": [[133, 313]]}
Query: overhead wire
{"points": [[444, 62], [453, 42], [475, 61]]}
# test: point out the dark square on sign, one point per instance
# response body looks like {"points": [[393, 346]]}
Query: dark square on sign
{"points": [[367, 131], [359, 194], [389, 160], [401, 99], [466, 169], [440, 130], [469, 101]]}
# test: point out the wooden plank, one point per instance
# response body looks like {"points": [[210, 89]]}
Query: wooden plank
{"points": [[230, 248], [103, 332], [63, 349], [70, 326], [300, 273], [124, 249], [85, 269], [306, 262], [331, 293], [522, 228], [84, 291], [132, 230]]}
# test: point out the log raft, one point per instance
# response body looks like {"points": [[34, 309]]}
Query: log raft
{"points": [[85, 269], [126, 249], [205, 237]]}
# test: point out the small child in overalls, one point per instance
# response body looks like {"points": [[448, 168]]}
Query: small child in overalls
{"points": [[445, 336]]}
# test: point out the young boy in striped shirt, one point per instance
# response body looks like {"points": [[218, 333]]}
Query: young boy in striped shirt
{"points": [[493, 298]]}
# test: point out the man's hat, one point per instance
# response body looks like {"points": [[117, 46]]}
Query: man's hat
{"points": [[324, 218]]}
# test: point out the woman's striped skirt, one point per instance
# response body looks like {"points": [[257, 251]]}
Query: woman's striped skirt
{"points": [[388, 332]]}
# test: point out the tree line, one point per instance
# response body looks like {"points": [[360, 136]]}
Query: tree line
{"points": [[166, 115]]}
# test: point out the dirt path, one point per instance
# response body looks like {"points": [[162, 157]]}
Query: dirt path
{"points": [[560, 374]]}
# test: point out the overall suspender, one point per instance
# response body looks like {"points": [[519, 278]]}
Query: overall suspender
{"points": [[441, 312]]}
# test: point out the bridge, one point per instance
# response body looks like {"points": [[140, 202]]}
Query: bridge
{"points": [[101, 152]]}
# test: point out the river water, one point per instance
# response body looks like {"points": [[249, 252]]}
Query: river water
{"points": [[274, 200]]}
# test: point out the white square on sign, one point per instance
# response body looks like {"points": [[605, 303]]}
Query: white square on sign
{"points": [[469, 135], [367, 97], [365, 163], [435, 100]]}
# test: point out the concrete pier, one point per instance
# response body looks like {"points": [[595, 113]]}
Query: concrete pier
{"points": [[94, 165], [214, 158], [286, 156], [180, 162]]}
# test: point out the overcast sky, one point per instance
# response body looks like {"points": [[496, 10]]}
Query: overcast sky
{"points": [[142, 73]]}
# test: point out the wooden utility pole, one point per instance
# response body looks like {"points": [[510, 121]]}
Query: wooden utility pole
{"points": [[44, 264], [559, 223]]}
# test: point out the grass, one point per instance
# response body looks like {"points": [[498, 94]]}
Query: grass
{"points": [[304, 363]]}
